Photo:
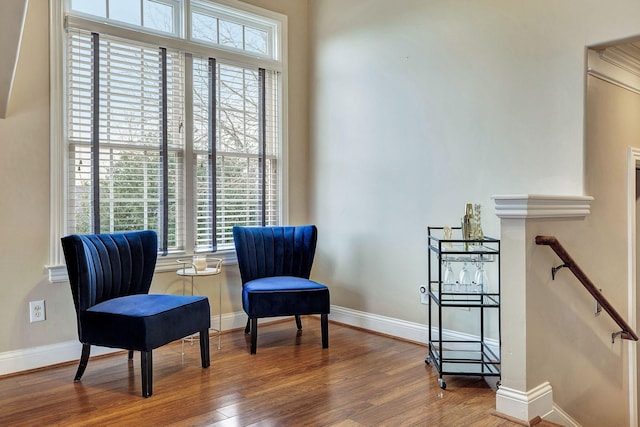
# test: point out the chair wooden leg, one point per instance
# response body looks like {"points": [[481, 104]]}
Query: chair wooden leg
{"points": [[84, 359], [130, 355], [254, 334], [324, 325], [146, 366], [247, 328], [204, 348], [298, 322]]}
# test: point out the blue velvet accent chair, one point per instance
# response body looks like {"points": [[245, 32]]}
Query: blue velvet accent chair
{"points": [[110, 277], [275, 264]]}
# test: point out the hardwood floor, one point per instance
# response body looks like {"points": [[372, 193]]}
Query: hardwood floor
{"points": [[363, 379]]}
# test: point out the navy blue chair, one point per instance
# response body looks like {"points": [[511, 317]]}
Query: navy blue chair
{"points": [[275, 264], [110, 277]]}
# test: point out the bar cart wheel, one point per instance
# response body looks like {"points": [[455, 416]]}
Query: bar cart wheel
{"points": [[427, 360], [442, 384]]}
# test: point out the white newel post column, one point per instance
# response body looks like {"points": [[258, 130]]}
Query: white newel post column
{"points": [[515, 397]]}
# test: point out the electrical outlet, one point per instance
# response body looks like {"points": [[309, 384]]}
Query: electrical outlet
{"points": [[424, 296], [36, 311]]}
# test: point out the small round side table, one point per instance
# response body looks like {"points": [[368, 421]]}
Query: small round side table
{"points": [[213, 268]]}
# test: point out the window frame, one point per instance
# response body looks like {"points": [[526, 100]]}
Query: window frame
{"points": [[58, 147], [177, 21], [204, 6]]}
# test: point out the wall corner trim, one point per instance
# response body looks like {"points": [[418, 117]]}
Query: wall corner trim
{"points": [[527, 206]]}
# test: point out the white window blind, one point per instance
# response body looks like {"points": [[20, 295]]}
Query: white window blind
{"points": [[139, 157], [117, 178], [245, 143]]}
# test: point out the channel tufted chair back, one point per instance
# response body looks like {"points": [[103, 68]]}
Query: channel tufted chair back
{"points": [[275, 251], [275, 264], [110, 266], [110, 277]]}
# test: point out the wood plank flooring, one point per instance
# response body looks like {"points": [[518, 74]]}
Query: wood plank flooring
{"points": [[363, 379]]}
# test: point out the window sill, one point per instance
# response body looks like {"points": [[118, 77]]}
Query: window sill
{"points": [[58, 273]]}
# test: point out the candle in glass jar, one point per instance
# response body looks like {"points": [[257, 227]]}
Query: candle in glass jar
{"points": [[200, 262]]}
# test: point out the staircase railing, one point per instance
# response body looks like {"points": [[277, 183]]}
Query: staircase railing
{"points": [[626, 330]]}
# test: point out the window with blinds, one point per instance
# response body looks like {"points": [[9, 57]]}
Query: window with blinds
{"points": [[245, 147], [165, 139]]}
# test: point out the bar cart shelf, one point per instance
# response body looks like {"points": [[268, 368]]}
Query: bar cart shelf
{"points": [[477, 290]]}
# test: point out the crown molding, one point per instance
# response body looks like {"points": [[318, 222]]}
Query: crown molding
{"points": [[615, 66]]}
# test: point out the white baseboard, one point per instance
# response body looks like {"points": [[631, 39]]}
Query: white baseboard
{"points": [[525, 405], [69, 351], [38, 357], [385, 325], [558, 416], [535, 402], [416, 332], [46, 355]]}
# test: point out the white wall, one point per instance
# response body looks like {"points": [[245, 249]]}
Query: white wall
{"points": [[418, 107]]}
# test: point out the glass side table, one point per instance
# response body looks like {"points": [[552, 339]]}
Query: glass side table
{"points": [[203, 266]]}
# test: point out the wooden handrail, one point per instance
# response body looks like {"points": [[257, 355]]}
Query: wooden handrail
{"points": [[627, 332]]}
